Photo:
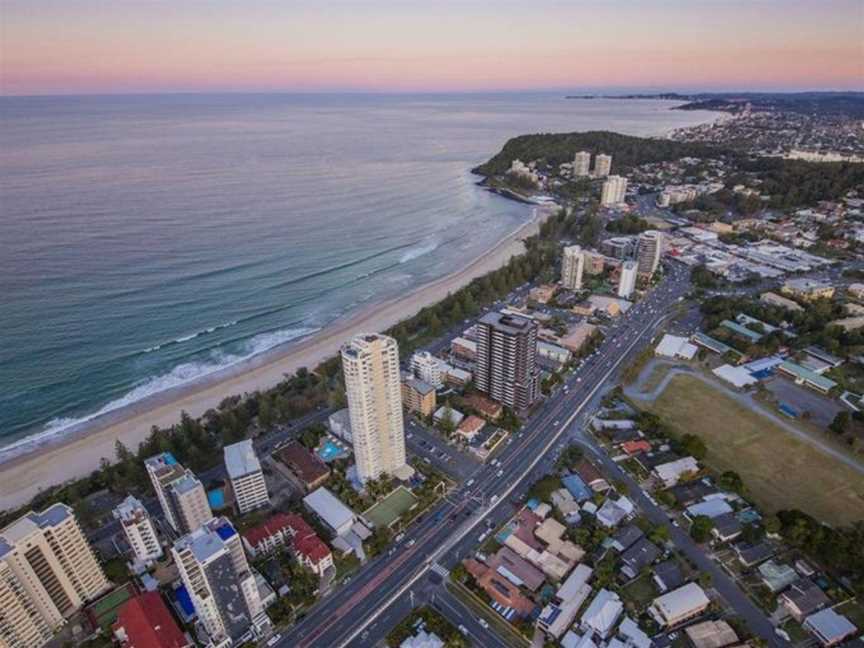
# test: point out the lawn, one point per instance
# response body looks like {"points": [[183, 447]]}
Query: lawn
{"points": [[391, 508], [640, 592], [779, 470]]}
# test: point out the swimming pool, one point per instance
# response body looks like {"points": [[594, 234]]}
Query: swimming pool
{"points": [[216, 498], [330, 451]]}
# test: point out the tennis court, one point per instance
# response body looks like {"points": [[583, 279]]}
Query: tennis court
{"points": [[391, 508]]}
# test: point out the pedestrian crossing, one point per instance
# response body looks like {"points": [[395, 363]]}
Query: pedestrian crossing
{"points": [[439, 569]]}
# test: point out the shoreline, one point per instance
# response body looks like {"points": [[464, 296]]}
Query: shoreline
{"points": [[78, 452]]}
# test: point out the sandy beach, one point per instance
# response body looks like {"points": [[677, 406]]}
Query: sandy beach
{"points": [[79, 452]]}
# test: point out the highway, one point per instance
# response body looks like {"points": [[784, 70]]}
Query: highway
{"points": [[451, 530]]}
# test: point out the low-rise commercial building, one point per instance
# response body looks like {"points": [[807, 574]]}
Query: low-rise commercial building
{"points": [[330, 510], [807, 289]]}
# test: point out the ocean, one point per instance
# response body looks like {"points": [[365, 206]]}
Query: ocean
{"points": [[146, 241]]}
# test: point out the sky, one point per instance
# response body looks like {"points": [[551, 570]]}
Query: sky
{"points": [[133, 46]]}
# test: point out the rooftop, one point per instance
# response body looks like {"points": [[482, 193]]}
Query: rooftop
{"points": [[147, 623], [241, 460]]}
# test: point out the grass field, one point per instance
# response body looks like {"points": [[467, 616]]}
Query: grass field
{"points": [[392, 507], [779, 470]]}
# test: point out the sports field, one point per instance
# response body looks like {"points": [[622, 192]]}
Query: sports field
{"points": [[391, 508], [779, 470]]}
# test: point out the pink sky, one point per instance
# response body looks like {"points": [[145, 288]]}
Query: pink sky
{"points": [[102, 46]]}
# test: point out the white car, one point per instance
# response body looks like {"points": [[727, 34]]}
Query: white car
{"points": [[483, 623]]}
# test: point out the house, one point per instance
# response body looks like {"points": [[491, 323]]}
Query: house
{"points": [[576, 487], [777, 576], [330, 510], [712, 508], [711, 634], [692, 491], [591, 476], [470, 427], [564, 502], [625, 537], [444, 413], [668, 575], [560, 612], [679, 605], [636, 446], [516, 569], [638, 557], [578, 336], [303, 468], [613, 512], [726, 527], [803, 598], [144, 621], [829, 627], [422, 639], [670, 473], [487, 408], [602, 614], [751, 555], [632, 635]]}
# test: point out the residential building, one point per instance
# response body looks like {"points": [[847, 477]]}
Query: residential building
{"points": [[669, 473], [649, 249], [777, 576], [638, 557], [488, 409], [778, 300], [339, 423], [803, 598], [307, 547], [668, 575], [330, 510], [614, 190], [619, 247], [464, 348], [602, 614], [627, 279], [418, 396], [711, 634], [428, 368], [807, 289], [594, 262], [47, 573], [557, 354], [506, 359], [220, 583], [602, 165], [269, 536], [581, 164], [560, 612], [303, 468], [139, 531], [679, 605], [247, 478], [372, 383], [572, 267], [470, 427], [829, 627], [144, 621], [179, 492]]}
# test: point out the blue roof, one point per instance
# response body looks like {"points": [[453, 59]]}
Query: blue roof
{"points": [[578, 489], [226, 531], [532, 503], [169, 459], [216, 498], [185, 601]]}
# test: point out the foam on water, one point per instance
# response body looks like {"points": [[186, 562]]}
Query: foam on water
{"points": [[180, 375]]}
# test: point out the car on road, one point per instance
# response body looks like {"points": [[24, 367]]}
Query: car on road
{"points": [[463, 629], [483, 623]]}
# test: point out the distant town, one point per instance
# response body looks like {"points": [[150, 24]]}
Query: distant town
{"points": [[645, 431]]}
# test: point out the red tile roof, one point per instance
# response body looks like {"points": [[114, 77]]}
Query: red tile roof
{"points": [[308, 466], [277, 523], [148, 623], [634, 447]]}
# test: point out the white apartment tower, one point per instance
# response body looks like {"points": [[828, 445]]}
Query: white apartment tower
{"points": [[627, 280], [247, 479], [614, 190], [180, 493], [139, 530], [581, 164], [428, 368], [47, 573], [602, 165], [373, 387], [221, 585], [572, 267], [648, 251]]}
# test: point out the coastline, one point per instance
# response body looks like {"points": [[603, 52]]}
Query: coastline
{"points": [[79, 452]]}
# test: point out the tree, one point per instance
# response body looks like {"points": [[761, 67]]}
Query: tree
{"points": [[659, 534], [731, 481], [694, 446], [840, 424], [700, 528]]}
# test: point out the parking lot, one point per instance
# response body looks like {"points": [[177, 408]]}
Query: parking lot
{"points": [[434, 450]]}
